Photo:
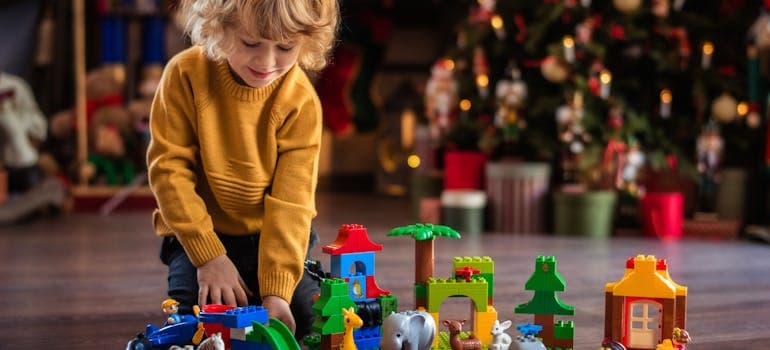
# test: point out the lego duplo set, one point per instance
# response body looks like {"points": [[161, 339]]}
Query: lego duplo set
{"points": [[645, 309]]}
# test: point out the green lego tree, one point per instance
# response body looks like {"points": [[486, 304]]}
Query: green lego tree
{"points": [[330, 322], [423, 235], [545, 304]]}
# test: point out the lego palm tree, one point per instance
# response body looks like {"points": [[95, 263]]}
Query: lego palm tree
{"points": [[423, 235]]}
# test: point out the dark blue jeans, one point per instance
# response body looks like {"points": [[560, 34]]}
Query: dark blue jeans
{"points": [[243, 251]]}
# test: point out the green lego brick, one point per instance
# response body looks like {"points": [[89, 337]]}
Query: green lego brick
{"points": [[334, 286], [546, 303], [331, 305], [440, 289], [420, 291], [484, 264], [564, 330], [388, 304], [313, 341], [490, 278], [329, 325], [545, 277]]}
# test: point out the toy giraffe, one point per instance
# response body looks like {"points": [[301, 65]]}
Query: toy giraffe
{"points": [[352, 321]]}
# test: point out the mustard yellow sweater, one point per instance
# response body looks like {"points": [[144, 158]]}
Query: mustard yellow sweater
{"points": [[235, 160]]}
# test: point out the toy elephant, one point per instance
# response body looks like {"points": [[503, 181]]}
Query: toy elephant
{"points": [[408, 330]]}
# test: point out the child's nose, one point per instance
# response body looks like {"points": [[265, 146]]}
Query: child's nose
{"points": [[266, 57]]}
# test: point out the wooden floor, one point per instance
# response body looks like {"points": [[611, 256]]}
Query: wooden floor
{"points": [[90, 282]]}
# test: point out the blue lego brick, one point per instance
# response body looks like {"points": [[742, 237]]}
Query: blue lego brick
{"points": [[236, 344], [239, 317], [363, 263], [357, 287], [367, 338], [529, 328]]}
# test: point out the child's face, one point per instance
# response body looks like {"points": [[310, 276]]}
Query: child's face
{"points": [[257, 62]]}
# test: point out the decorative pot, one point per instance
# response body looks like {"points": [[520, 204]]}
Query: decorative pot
{"points": [[586, 213]]}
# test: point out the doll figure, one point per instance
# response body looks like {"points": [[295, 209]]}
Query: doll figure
{"points": [[709, 149], [171, 309], [440, 97], [22, 128]]}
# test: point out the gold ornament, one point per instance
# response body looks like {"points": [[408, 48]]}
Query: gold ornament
{"points": [[554, 70], [724, 108], [627, 6]]}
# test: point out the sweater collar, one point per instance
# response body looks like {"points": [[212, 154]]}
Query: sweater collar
{"points": [[243, 92]]}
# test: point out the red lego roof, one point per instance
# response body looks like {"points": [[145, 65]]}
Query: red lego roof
{"points": [[352, 238]]}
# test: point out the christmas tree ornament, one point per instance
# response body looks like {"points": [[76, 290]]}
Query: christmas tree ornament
{"points": [[724, 108], [760, 31], [481, 71], [665, 103], [584, 31], [661, 8], [627, 6], [759, 34], [554, 69], [709, 150], [569, 48], [563, 115], [441, 95], [605, 79], [753, 119], [483, 12], [615, 118], [707, 50], [497, 24], [635, 160]]}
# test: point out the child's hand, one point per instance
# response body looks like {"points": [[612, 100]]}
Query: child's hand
{"points": [[279, 308], [219, 281]]}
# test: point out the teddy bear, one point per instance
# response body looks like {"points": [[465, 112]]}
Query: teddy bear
{"points": [[111, 139]]}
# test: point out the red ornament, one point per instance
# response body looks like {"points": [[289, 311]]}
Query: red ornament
{"points": [[727, 71], [615, 121], [617, 32], [672, 161], [593, 85]]}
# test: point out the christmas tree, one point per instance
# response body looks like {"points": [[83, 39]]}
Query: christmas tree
{"points": [[610, 88]]}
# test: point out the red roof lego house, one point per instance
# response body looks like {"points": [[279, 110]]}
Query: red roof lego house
{"points": [[351, 238], [643, 307]]}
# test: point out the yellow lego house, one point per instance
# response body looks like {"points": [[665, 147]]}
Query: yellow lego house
{"points": [[643, 307]]}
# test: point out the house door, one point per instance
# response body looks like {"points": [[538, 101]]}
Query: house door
{"points": [[644, 324]]}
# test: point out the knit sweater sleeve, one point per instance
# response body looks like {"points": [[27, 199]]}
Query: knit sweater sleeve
{"points": [[290, 204], [172, 156]]}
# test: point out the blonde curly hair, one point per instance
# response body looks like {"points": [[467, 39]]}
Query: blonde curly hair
{"points": [[210, 22]]}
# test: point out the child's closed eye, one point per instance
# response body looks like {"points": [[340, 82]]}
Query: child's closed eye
{"points": [[249, 44]]}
